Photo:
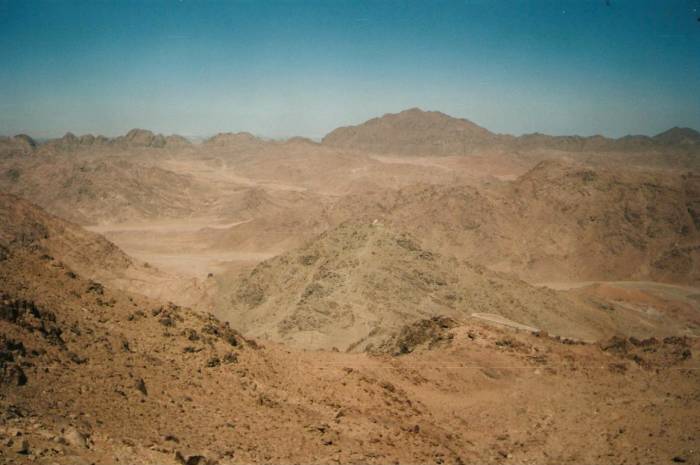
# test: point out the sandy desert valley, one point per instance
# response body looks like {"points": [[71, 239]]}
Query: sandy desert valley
{"points": [[412, 289]]}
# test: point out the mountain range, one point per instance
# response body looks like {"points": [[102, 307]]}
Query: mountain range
{"points": [[410, 132]]}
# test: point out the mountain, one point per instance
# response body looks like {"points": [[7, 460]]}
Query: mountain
{"points": [[93, 190], [19, 145], [409, 132], [69, 142], [560, 221], [238, 140], [418, 132], [610, 224], [679, 136], [141, 138], [175, 141], [355, 285], [146, 138], [412, 132]]}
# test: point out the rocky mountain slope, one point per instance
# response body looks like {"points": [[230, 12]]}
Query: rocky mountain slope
{"points": [[26, 226], [560, 221], [353, 286], [66, 245], [610, 224], [95, 375], [93, 190]]}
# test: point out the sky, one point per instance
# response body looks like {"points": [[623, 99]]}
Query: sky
{"points": [[284, 68]]}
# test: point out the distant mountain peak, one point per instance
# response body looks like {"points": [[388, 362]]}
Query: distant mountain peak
{"points": [[678, 135], [414, 132], [413, 111], [233, 139], [26, 139]]}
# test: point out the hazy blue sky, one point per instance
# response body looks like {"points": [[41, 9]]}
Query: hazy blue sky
{"points": [[293, 67]]}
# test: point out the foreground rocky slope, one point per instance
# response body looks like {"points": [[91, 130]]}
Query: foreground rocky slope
{"points": [[92, 375], [24, 225], [86, 254], [96, 375]]}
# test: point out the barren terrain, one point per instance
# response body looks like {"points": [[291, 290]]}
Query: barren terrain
{"points": [[414, 289]]}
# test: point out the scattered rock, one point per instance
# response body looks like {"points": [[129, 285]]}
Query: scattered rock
{"points": [[12, 374], [95, 288], [22, 447], [617, 367], [193, 459], [190, 334], [140, 384], [429, 332], [388, 386], [75, 358], [74, 437]]}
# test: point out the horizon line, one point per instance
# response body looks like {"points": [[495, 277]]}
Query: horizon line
{"points": [[318, 138]]}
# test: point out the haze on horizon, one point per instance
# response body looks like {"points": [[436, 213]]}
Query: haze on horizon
{"points": [[303, 68]]}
